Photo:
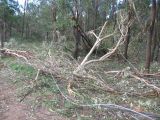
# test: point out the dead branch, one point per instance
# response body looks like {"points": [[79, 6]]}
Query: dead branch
{"points": [[123, 30], [146, 82], [26, 55], [150, 75], [122, 109], [36, 64], [132, 74], [112, 72]]}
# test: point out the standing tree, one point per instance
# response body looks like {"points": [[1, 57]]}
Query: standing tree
{"points": [[156, 35], [7, 15], [54, 11], [24, 15], [127, 38], [151, 34], [157, 55], [78, 30]]}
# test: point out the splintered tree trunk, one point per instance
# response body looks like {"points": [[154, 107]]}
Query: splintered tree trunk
{"points": [[151, 31]]}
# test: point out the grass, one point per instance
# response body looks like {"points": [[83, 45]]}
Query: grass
{"points": [[47, 91], [23, 69], [87, 91]]}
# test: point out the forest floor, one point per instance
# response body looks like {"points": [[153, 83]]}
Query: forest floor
{"points": [[12, 109], [47, 89]]}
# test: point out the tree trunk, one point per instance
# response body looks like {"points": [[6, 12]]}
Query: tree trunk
{"points": [[24, 15], [77, 41], [114, 16], [4, 32], [1, 35], [151, 31], [1, 39], [54, 10], [27, 30], [127, 39], [10, 30], [126, 44], [157, 56], [154, 43], [95, 6], [155, 35]]}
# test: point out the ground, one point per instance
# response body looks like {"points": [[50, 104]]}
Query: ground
{"points": [[12, 109], [55, 92]]}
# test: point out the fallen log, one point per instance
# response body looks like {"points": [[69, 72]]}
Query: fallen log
{"points": [[26, 55]]}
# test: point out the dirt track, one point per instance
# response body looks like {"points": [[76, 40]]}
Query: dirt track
{"points": [[12, 109]]}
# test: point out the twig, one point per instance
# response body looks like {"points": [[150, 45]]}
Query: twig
{"points": [[37, 74], [146, 82], [111, 72]]}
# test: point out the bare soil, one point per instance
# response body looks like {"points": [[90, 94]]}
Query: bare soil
{"points": [[12, 109]]}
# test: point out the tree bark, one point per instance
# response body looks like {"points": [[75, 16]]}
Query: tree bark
{"points": [[77, 41], [96, 2], [157, 56], [114, 16], [154, 43], [1, 35], [4, 33], [151, 31], [155, 34], [24, 15], [127, 39], [54, 10]]}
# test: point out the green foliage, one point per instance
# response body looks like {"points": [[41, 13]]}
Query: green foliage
{"points": [[8, 9], [51, 84], [54, 103], [63, 22], [23, 69]]}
